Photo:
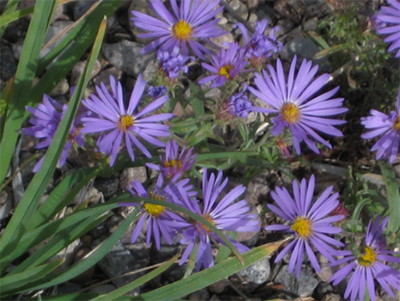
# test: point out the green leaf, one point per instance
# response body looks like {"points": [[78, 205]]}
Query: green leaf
{"points": [[88, 261], [15, 115], [184, 127], [25, 209], [393, 196], [12, 282], [138, 282], [63, 194], [209, 276], [10, 8], [11, 17], [24, 76], [34, 237]]}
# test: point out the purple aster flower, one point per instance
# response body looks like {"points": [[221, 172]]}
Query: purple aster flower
{"points": [[47, 118], [157, 91], [173, 62], [369, 266], [122, 123], [309, 225], [175, 163], [223, 214], [297, 109], [225, 66], [188, 23], [389, 127], [260, 46], [388, 20], [161, 221]]}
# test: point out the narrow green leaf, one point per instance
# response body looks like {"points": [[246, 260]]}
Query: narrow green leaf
{"points": [[34, 237], [88, 261], [70, 49], [223, 155], [24, 211], [196, 102], [63, 194], [10, 8], [24, 76], [11, 17], [209, 276], [12, 282], [138, 282], [393, 196], [60, 241], [16, 114]]}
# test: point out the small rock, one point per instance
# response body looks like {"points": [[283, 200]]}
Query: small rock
{"points": [[322, 290], [292, 9], [239, 8], [78, 69], [60, 89], [130, 175], [5, 204], [218, 287], [202, 294], [104, 76], [126, 56], [215, 298], [256, 274], [108, 186], [53, 30], [81, 7], [332, 297], [120, 261], [225, 38], [8, 66], [303, 285], [285, 25]]}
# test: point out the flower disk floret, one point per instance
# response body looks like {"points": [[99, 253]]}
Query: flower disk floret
{"points": [[369, 265], [175, 162], [122, 125], [386, 126], [311, 225], [297, 108], [226, 65], [190, 22], [388, 20], [221, 212], [160, 220]]}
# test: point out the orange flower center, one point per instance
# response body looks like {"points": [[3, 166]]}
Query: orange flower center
{"points": [[125, 122], [153, 209], [209, 219], [182, 30], [396, 124], [290, 113], [224, 70], [302, 225], [173, 163], [368, 258]]}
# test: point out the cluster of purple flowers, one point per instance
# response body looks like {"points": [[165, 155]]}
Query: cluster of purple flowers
{"points": [[220, 210], [312, 228], [296, 104], [104, 113]]}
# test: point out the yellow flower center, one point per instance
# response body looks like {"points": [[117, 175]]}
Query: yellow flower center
{"points": [[173, 163], [224, 70], [182, 30], [209, 219], [302, 226], [153, 209], [368, 258], [290, 112], [396, 124], [125, 122]]}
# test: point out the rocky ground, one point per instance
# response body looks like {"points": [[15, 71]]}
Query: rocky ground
{"points": [[119, 57]]}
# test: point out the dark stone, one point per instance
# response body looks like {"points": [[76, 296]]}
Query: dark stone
{"points": [[255, 274], [302, 286], [82, 7], [108, 186], [8, 66]]}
